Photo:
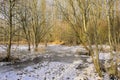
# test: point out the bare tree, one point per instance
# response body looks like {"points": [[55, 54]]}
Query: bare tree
{"points": [[39, 27], [24, 19], [77, 13], [110, 8], [7, 10]]}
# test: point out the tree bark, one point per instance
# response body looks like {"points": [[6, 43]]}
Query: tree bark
{"points": [[10, 32]]}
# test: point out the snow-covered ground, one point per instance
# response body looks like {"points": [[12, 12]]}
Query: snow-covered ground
{"points": [[55, 63]]}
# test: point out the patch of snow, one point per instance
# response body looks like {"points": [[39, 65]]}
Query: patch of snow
{"points": [[89, 60], [104, 56], [63, 49], [5, 63], [52, 71], [106, 77], [78, 62]]}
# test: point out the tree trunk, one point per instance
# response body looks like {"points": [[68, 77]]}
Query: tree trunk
{"points": [[46, 43], [36, 47], [95, 56], [9, 51], [29, 49], [10, 33], [96, 63]]}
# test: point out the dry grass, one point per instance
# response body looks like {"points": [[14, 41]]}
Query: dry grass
{"points": [[58, 42], [20, 42]]}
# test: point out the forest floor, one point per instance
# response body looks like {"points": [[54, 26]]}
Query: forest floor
{"points": [[54, 62]]}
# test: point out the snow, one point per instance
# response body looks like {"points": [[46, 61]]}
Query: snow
{"points": [[51, 71], [104, 56], [47, 69], [63, 49], [89, 60]]}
